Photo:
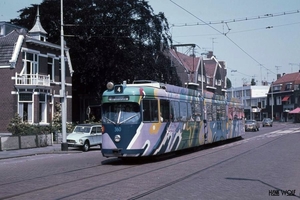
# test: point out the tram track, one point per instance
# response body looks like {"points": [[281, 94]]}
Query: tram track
{"points": [[159, 166]]}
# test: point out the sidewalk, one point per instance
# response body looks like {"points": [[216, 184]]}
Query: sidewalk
{"points": [[54, 149]]}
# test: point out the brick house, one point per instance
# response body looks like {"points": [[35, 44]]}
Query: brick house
{"points": [[285, 92], [189, 71], [30, 75]]}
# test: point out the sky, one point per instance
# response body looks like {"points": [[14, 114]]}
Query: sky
{"points": [[257, 39]]}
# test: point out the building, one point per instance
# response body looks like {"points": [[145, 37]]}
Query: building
{"points": [[190, 68], [254, 99], [283, 97], [30, 75]]}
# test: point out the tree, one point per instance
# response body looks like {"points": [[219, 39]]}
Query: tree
{"points": [[228, 83], [109, 40]]}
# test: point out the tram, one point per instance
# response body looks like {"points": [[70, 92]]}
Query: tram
{"points": [[148, 118]]}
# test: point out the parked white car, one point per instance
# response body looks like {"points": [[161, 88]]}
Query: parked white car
{"points": [[85, 135]]}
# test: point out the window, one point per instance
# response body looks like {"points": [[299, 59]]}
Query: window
{"points": [[208, 111], [208, 80], [165, 110], [201, 77], [42, 108], [30, 61], [30, 67], [183, 111], [277, 87], [51, 68], [221, 112], [175, 110], [278, 100], [25, 107], [288, 86], [150, 110]]}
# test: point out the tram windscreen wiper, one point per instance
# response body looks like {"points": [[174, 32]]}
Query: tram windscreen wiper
{"points": [[129, 118], [110, 120]]}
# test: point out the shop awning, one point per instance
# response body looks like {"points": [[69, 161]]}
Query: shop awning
{"points": [[286, 98], [295, 111]]}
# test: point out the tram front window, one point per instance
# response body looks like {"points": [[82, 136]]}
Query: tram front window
{"points": [[121, 113]]}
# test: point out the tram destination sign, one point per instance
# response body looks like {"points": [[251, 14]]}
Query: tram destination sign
{"points": [[118, 98]]}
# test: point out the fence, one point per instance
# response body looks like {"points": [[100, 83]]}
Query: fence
{"points": [[25, 142]]}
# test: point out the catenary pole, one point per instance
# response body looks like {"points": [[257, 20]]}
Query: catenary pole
{"points": [[64, 144]]}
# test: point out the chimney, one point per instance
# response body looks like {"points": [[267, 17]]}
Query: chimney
{"points": [[278, 76], [210, 54]]}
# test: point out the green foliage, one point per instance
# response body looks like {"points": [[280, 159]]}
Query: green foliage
{"points": [[111, 40], [17, 127], [228, 83], [57, 121]]}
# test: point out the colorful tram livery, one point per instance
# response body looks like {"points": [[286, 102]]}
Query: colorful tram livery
{"points": [[150, 118]]}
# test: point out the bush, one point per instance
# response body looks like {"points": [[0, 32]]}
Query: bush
{"points": [[17, 127]]}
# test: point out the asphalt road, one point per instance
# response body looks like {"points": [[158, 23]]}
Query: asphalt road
{"points": [[263, 165]]}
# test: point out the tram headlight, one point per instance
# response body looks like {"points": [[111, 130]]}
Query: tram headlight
{"points": [[110, 85], [117, 138]]}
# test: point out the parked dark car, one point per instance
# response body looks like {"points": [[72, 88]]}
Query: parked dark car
{"points": [[251, 125], [267, 122]]}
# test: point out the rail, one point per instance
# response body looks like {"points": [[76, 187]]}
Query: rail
{"points": [[32, 79]]}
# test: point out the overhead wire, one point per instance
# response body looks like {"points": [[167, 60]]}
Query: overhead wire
{"points": [[224, 35], [238, 20]]}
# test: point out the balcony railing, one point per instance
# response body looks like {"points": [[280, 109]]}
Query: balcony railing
{"points": [[32, 79]]}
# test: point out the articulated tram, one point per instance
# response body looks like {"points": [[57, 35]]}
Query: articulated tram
{"points": [[148, 118]]}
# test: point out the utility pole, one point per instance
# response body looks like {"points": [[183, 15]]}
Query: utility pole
{"points": [[212, 43], [297, 64], [64, 144], [277, 68]]}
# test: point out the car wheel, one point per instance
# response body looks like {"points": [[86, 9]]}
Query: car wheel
{"points": [[86, 146]]}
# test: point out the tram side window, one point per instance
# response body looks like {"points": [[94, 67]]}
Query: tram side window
{"points": [[197, 111], [214, 112], [189, 112], [183, 111], [230, 112], [175, 110], [150, 110], [209, 111], [165, 110]]}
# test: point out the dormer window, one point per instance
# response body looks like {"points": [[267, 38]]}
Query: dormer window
{"points": [[277, 87], [218, 82], [288, 86]]}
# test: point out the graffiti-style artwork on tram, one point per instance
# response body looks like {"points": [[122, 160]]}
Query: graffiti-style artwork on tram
{"points": [[148, 118]]}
